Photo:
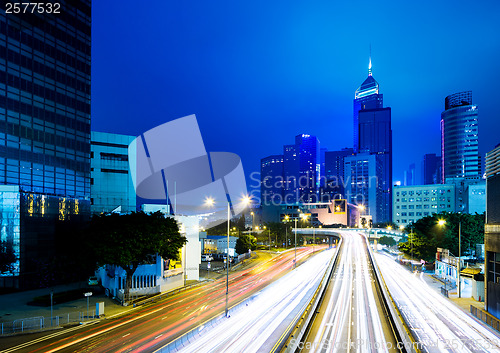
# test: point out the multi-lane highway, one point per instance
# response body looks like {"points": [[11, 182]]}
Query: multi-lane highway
{"points": [[351, 318], [150, 327], [258, 326], [437, 324]]}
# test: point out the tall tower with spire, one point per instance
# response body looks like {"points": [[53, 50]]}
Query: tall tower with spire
{"points": [[365, 97], [373, 144]]}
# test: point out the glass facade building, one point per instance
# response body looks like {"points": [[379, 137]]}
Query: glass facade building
{"points": [[373, 135], [271, 186], [45, 118], [366, 97], [301, 169], [334, 174], [363, 173], [459, 137]]}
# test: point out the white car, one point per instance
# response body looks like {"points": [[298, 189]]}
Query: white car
{"points": [[207, 258]]}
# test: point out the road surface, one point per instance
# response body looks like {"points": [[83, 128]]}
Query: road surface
{"points": [[148, 328], [350, 317], [437, 324]]}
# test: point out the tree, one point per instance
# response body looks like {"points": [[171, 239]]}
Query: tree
{"points": [[7, 257], [130, 240], [426, 235], [389, 241], [244, 243]]}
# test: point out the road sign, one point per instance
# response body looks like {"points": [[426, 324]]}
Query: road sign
{"points": [[208, 265], [88, 294]]}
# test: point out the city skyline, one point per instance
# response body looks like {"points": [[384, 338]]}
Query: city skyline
{"points": [[240, 67]]}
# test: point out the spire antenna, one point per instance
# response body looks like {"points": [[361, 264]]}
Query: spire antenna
{"points": [[370, 62]]}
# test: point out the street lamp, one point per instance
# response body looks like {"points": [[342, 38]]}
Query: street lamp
{"points": [[442, 222], [287, 218], [210, 202], [269, 233]]}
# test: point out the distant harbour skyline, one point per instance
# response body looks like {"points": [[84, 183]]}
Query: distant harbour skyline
{"points": [[258, 75]]}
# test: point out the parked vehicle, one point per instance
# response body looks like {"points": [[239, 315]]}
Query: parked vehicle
{"points": [[207, 257]]}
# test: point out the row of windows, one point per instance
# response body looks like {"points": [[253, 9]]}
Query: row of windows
{"points": [[23, 66], [423, 192], [424, 199], [46, 112], [418, 207]]}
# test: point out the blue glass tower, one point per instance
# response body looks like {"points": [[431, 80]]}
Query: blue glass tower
{"points": [[366, 97], [301, 169], [373, 135], [44, 128]]}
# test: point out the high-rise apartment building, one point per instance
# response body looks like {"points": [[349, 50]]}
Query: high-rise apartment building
{"points": [[301, 169], [373, 135], [459, 137], [44, 126]]}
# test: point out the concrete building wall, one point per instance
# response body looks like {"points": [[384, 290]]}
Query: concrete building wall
{"points": [[111, 183], [410, 203]]}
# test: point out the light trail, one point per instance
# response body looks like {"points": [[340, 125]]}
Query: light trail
{"points": [[171, 317], [436, 323], [249, 328], [351, 320]]}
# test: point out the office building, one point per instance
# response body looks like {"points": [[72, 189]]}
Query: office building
{"points": [[432, 169], [271, 186], [45, 127], [301, 169], [476, 197], [492, 232], [334, 180], [373, 134], [410, 203], [366, 97], [459, 137], [363, 173], [111, 189]]}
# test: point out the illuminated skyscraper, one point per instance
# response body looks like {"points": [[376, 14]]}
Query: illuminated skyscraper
{"points": [[44, 129], [366, 97], [301, 169], [459, 137], [373, 135]]}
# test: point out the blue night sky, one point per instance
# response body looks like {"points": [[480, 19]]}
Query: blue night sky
{"points": [[257, 73]]}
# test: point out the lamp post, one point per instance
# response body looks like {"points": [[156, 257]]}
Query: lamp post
{"points": [[287, 218], [210, 202], [269, 233], [442, 222], [295, 261]]}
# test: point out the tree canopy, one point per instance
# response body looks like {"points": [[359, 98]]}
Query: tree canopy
{"points": [[129, 240], [244, 243], [425, 235], [385, 240]]}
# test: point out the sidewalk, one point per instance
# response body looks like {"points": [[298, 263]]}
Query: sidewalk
{"points": [[463, 303], [14, 306]]}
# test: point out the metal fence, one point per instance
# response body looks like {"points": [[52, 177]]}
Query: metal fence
{"points": [[485, 317], [40, 323]]}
